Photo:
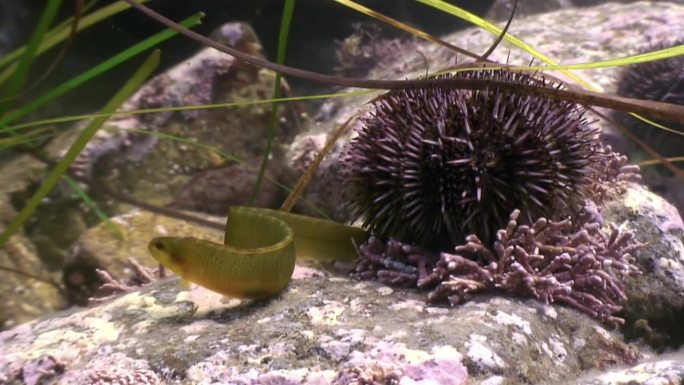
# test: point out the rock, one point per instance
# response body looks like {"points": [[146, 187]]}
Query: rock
{"points": [[324, 329], [665, 369], [501, 9], [153, 168], [215, 191], [670, 187], [655, 308], [23, 298]]}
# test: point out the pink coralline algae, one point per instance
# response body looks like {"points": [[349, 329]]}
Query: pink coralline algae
{"points": [[552, 261]]}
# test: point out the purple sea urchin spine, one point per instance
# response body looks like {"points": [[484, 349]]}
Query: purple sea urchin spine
{"points": [[432, 165]]}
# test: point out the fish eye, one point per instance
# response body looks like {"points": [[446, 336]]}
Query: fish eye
{"points": [[159, 245]]}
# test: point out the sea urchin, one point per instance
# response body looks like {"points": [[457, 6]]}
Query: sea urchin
{"points": [[432, 165]]}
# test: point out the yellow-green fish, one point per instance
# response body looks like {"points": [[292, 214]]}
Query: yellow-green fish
{"points": [[259, 251]]}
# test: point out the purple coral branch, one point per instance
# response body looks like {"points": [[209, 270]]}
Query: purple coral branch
{"points": [[551, 261], [111, 287]]}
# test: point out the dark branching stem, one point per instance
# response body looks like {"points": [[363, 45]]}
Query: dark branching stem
{"points": [[665, 111], [499, 38]]}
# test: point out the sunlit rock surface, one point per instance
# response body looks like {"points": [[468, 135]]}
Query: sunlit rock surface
{"points": [[321, 329]]}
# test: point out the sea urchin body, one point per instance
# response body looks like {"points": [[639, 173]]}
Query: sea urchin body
{"points": [[432, 165]]}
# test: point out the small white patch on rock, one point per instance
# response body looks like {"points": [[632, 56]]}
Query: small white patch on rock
{"points": [[411, 304], [327, 314], [120, 220], [493, 380], [550, 312], [141, 327], [558, 349], [281, 349], [308, 334], [513, 319], [545, 348], [304, 272], [323, 377], [431, 321], [385, 290], [360, 286], [518, 338], [603, 332], [353, 336], [447, 352], [356, 304], [436, 310], [399, 334], [578, 343], [191, 338], [482, 355], [198, 326], [248, 349], [336, 349], [207, 301], [285, 377], [161, 230]]}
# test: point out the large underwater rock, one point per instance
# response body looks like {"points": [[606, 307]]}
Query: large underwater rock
{"points": [[501, 9], [153, 167], [328, 329], [323, 329], [655, 309]]}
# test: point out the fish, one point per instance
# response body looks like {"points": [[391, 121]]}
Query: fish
{"points": [[260, 248]]}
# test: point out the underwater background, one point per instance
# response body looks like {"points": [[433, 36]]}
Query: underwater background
{"points": [[504, 226]]}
